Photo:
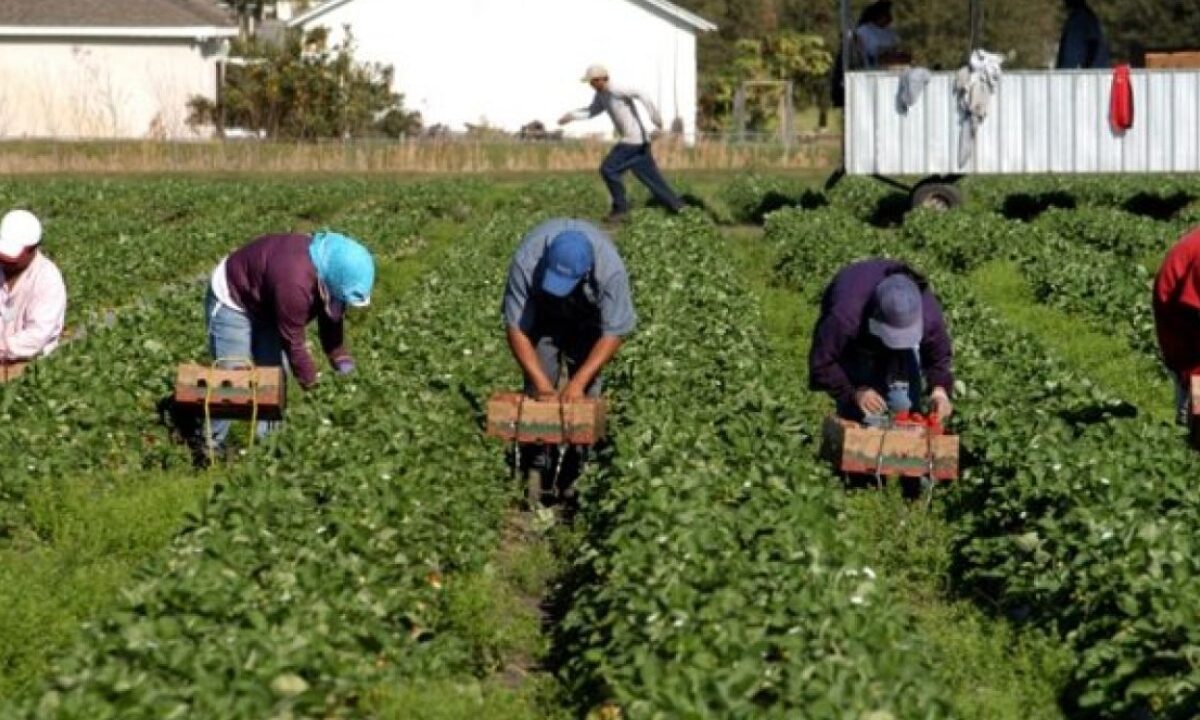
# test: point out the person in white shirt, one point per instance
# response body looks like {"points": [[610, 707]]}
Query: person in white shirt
{"points": [[877, 41], [33, 298], [632, 151]]}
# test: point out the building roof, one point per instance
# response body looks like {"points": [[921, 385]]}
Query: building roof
{"points": [[111, 17], [669, 9]]}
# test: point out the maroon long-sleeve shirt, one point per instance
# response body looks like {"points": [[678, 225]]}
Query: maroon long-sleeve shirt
{"points": [[274, 280]]}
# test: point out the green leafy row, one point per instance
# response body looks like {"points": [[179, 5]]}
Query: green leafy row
{"points": [[716, 579]]}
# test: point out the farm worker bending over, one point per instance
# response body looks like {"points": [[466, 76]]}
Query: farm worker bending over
{"points": [[263, 296], [632, 151], [33, 298], [567, 302], [880, 334], [1177, 316]]}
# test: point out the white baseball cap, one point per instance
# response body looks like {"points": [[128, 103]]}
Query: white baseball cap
{"points": [[594, 72], [19, 230]]}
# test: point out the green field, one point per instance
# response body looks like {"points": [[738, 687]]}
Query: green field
{"points": [[373, 559]]}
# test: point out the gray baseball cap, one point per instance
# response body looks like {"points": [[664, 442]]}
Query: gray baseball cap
{"points": [[898, 319]]}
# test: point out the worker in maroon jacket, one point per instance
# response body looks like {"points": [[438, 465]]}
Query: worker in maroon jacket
{"points": [[1177, 317], [880, 336], [263, 296]]}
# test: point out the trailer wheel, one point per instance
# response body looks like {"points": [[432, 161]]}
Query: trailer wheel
{"points": [[937, 196]]}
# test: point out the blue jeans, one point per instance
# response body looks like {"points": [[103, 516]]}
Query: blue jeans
{"points": [[233, 337], [637, 158], [879, 372]]}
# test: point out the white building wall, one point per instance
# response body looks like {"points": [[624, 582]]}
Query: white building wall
{"points": [[100, 87], [505, 64]]}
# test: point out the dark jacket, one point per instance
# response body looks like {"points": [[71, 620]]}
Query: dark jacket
{"points": [[842, 330], [274, 280]]}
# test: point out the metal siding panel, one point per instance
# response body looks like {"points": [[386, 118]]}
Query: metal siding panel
{"points": [[987, 142], [888, 136], [1061, 122], [1159, 156], [942, 115], [1012, 121], [863, 119], [1183, 155], [914, 150], [1087, 115], [1133, 158], [1036, 123], [1110, 145]]}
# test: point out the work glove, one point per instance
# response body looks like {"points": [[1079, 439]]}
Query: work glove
{"points": [[344, 366], [870, 402]]}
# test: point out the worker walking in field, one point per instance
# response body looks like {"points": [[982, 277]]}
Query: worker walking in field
{"points": [[879, 338], [262, 297], [33, 297], [567, 305], [1177, 317], [632, 151]]}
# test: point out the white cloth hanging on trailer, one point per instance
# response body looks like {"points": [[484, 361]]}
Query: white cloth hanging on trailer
{"points": [[974, 86], [912, 86]]}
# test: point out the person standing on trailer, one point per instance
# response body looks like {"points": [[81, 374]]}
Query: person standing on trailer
{"points": [[1176, 304], [1082, 45], [632, 151], [880, 337], [33, 297], [567, 305], [877, 42], [262, 297]]}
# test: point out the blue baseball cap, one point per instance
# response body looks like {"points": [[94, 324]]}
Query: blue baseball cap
{"points": [[569, 258], [898, 319]]}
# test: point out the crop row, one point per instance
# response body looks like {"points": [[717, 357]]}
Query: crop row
{"points": [[717, 579], [326, 568], [1073, 509]]}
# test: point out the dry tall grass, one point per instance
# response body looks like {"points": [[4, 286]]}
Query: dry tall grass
{"points": [[417, 157]]}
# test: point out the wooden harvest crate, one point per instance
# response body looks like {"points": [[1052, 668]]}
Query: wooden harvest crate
{"points": [[513, 416], [12, 370], [232, 394], [903, 452]]}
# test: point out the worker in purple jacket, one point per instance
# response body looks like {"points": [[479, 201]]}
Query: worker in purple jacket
{"points": [[880, 335], [262, 297]]}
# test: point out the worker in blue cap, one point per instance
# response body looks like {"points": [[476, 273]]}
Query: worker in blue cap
{"points": [[567, 305]]}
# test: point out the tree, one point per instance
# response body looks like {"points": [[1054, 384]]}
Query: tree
{"points": [[802, 59], [302, 89]]}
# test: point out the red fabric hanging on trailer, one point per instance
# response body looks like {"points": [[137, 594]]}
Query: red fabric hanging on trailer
{"points": [[1120, 110]]}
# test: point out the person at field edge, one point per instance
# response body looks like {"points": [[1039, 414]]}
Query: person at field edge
{"points": [[880, 336], [1177, 317], [567, 305], [1082, 45], [263, 296], [33, 297], [632, 151]]}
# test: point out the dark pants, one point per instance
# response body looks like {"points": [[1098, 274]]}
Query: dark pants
{"points": [[878, 371], [555, 350], [637, 158]]}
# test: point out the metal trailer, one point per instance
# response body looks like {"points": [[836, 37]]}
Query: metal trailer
{"points": [[1039, 122]]}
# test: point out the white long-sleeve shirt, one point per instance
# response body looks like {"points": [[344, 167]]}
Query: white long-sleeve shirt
{"points": [[33, 311], [619, 104]]}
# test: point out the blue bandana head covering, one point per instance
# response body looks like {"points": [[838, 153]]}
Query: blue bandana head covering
{"points": [[344, 267]]}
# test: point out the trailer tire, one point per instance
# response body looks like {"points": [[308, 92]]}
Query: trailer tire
{"points": [[937, 196]]}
